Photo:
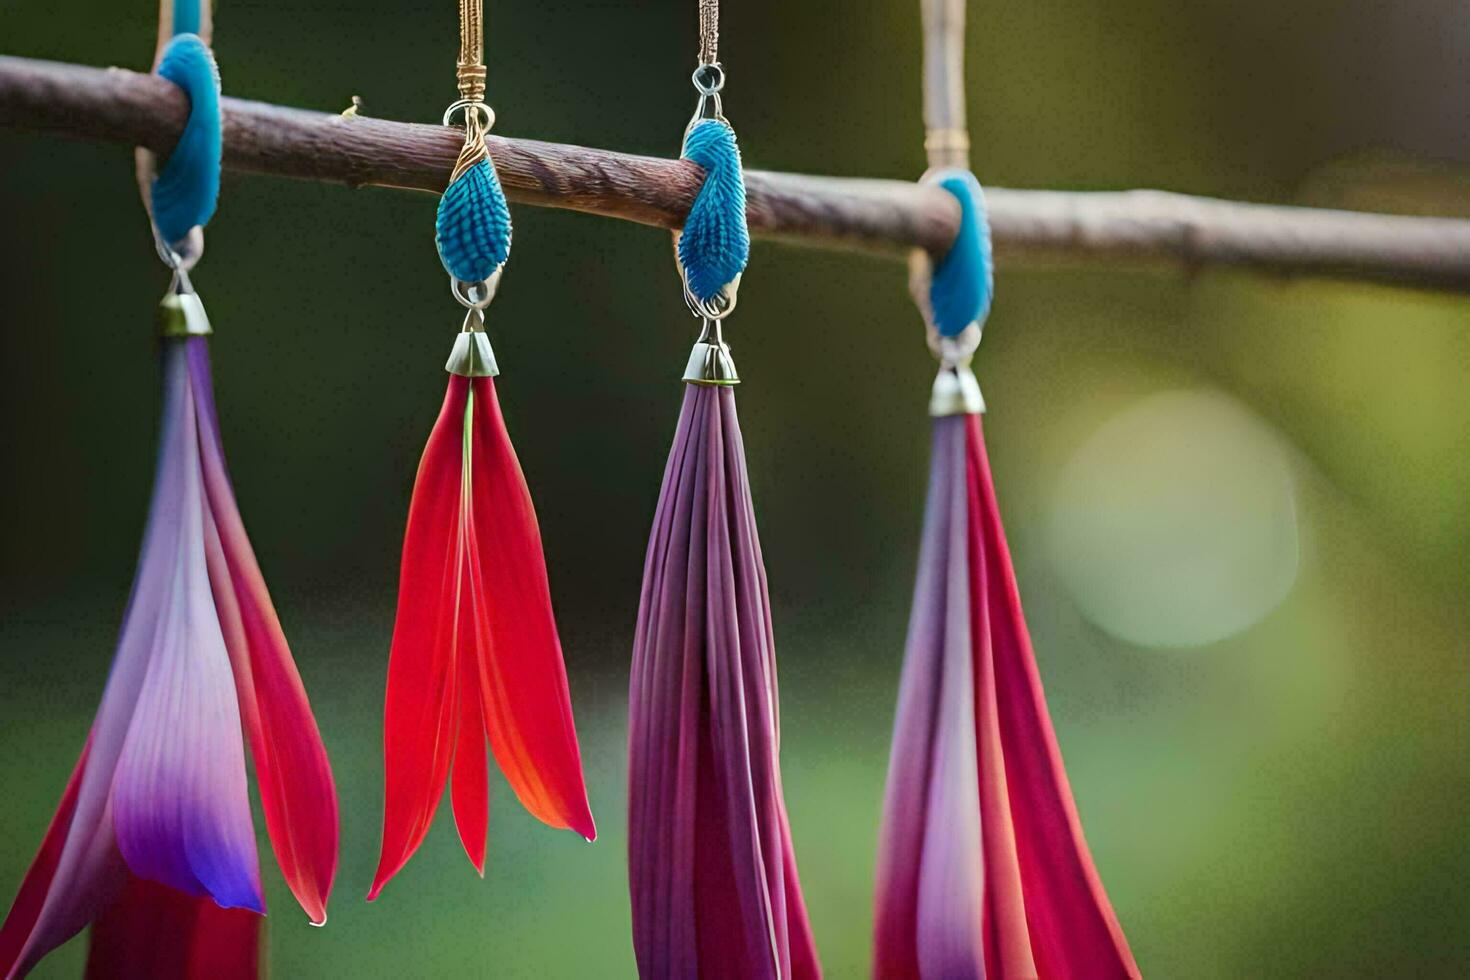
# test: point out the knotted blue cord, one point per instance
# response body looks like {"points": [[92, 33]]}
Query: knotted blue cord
{"points": [[186, 189], [472, 228], [962, 282], [715, 243]]}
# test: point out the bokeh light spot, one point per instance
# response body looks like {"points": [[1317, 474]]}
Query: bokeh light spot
{"points": [[1175, 523]]}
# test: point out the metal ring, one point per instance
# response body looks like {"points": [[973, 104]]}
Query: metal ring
{"points": [[468, 106], [184, 254], [956, 350], [708, 78], [475, 295]]}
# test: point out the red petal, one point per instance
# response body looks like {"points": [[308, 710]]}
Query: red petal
{"points": [[418, 715], [523, 681], [291, 767], [26, 909], [1005, 935], [470, 791], [1073, 931], [156, 933]]}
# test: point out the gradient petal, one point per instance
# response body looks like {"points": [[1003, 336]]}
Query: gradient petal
{"points": [[81, 868], [523, 679], [982, 869], [712, 873], [181, 806], [295, 778]]}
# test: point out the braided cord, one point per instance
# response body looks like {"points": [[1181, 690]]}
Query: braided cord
{"points": [[709, 31], [470, 75], [471, 64]]}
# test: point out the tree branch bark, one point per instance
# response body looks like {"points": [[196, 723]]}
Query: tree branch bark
{"points": [[113, 105]]}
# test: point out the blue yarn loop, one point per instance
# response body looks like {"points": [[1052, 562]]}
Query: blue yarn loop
{"points": [[961, 283], [472, 228], [186, 189], [715, 243]]}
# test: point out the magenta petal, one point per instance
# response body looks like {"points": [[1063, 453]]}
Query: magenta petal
{"points": [[1073, 930], [712, 873], [181, 806]]}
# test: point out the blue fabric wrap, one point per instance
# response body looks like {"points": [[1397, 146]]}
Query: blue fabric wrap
{"points": [[187, 16], [962, 282], [715, 243], [187, 187], [472, 229]]}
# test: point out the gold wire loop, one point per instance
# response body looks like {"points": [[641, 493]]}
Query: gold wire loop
{"points": [[476, 113], [470, 73]]}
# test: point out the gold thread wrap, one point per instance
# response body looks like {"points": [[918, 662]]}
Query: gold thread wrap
{"points": [[471, 63], [709, 31], [474, 149], [470, 74]]}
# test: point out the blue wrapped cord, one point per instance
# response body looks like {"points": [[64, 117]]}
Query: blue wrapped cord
{"points": [[962, 283], [186, 189], [472, 227], [715, 243]]}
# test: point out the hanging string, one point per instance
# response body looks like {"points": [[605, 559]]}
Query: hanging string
{"points": [[471, 50], [470, 75], [709, 31]]}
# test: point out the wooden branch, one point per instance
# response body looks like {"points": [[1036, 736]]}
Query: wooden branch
{"points": [[114, 105]]}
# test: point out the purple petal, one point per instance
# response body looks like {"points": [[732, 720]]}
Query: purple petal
{"points": [[181, 808], [711, 869], [194, 833]]}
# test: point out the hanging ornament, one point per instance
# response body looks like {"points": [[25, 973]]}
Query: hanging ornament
{"points": [[982, 867], [711, 868], [153, 841], [475, 649]]}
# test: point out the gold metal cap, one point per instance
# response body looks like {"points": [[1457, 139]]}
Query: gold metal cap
{"points": [[181, 311], [710, 362], [472, 356], [956, 390]]}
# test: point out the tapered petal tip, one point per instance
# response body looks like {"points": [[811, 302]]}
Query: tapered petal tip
{"points": [[316, 912]]}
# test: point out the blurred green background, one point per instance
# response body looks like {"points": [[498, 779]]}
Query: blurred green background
{"points": [[1240, 506]]}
